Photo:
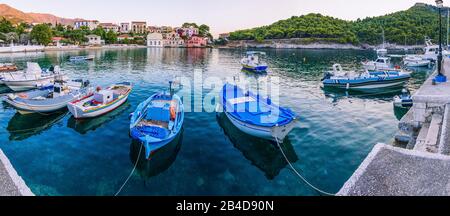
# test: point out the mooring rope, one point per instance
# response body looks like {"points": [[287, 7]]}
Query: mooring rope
{"points": [[299, 175], [131, 173]]}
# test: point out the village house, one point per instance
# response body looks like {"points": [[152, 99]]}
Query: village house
{"points": [[197, 41], [109, 27], [154, 29], [155, 40], [139, 27], [187, 32], [124, 27], [91, 24], [94, 40], [173, 39]]}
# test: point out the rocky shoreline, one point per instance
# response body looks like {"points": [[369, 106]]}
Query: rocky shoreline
{"points": [[296, 43]]}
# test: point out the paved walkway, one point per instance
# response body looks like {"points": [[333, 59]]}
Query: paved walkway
{"points": [[11, 184], [391, 171]]}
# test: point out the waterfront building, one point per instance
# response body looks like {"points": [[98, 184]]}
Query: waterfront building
{"points": [[124, 27], [139, 27], [197, 41], [155, 40], [173, 39], [91, 24], [109, 27], [94, 40], [154, 29], [187, 32]]}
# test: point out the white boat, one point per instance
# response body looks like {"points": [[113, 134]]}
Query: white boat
{"points": [[252, 62], [338, 78], [32, 78], [82, 58], [381, 63], [49, 98], [6, 68], [101, 101], [431, 51], [416, 61]]}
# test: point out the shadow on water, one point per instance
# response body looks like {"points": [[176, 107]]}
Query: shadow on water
{"points": [[4, 89], [21, 127], [262, 153], [159, 161], [83, 126]]}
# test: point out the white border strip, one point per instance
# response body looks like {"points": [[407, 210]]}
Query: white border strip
{"points": [[24, 190]]}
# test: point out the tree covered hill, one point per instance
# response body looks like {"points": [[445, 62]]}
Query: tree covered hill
{"points": [[404, 27]]}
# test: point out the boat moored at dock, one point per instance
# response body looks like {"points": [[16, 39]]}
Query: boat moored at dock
{"points": [[81, 58], [49, 98], [33, 77], [416, 61], [101, 101], [255, 115], [381, 63], [157, 121], [366, 80]]}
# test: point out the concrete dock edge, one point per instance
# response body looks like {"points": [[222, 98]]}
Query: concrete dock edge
{"points": [[20, 187]]}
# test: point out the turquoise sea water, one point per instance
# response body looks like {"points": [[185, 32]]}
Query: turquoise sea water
{"points": [[57, 155]]}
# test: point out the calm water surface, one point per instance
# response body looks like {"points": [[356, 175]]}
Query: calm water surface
{"points": [[57, 155]]}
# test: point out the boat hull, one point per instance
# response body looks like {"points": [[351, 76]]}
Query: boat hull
{"points": [[269, 133], [417, 64], [27, 109], [367, 85], [27, 84], [261, 68]]}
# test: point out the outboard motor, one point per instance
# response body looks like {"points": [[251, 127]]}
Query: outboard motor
{"points": [[327, 75], [86, 83]]}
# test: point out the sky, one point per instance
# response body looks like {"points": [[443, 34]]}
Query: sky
{"points": [[221, 15]]}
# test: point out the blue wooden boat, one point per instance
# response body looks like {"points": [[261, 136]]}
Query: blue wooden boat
{"points": [[255, 115], [157, 121], [367, 80], [252, 62]]}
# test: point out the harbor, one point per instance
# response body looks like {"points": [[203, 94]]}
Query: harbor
{"points": [[88, 162], [311, 105]]}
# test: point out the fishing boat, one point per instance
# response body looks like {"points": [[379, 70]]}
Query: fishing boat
{"points": [[157, 121], [366, 80], [101, 101], [256, 115], [381, 63], [33, 77], [416, 61], [252, 62], [49, 98], [81, 58], [404, 100]]}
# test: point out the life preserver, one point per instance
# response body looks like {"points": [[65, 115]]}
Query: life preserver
{"points": [[173, 113], [397, 67]]}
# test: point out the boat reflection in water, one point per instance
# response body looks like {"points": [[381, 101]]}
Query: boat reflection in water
{"points": [[263, 154], [21, 127], [159, 161], [83, 126], [385, 94]]}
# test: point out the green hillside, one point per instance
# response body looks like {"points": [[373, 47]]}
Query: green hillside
{"points": [[410, 27]]}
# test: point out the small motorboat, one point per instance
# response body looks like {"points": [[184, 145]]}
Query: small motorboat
{"points": [[366, 80], [49, 98], [255, 115], [381, 63], [404, 100], [416, 61], [252, 62], [33, 77], [81, 58], [101, 101], [157, 121]]}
